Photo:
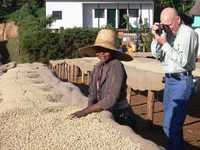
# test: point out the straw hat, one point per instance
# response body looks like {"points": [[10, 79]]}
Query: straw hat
{"points": [[105, 40], [195, 9]]}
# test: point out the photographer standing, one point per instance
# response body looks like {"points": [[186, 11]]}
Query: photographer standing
{"points": [[175, 45]]}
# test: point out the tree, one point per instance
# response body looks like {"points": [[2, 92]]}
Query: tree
{"points": [[182, 6], [9, 6]]}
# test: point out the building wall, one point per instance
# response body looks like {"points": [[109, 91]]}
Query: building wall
{"points": [[82, 14], [71, 14], [145, 10]]}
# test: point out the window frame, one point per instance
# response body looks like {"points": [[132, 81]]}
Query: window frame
{"points": [[101, 14], [57, 14], [133, 12]]}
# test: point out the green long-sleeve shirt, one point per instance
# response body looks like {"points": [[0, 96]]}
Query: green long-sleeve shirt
{"points": [[179, 53]]}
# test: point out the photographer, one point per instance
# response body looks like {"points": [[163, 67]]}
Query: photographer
{"points": [[175, 45]]}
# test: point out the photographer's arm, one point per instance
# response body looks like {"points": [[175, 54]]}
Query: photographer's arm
{"points": [[156, 49], [155, 45], [183, 49]]}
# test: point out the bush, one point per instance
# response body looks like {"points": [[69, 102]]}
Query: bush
{"points": [[146, 41], [38, 43], [13, 49], [45, 45], [76, 38]]}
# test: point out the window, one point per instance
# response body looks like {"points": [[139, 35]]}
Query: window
{"points": [[99, 13], [57, 15], [133, 12]]}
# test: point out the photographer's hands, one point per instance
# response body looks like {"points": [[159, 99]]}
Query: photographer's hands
{"points": [[161, 39], [154, 28]]}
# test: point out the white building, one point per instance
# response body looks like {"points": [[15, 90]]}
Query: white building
{"points": [[99, 13]]}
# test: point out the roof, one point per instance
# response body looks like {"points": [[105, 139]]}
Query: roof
{"points": [[128, 1], [195, 10]]}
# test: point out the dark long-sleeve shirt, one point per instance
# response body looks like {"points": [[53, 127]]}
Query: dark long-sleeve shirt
{"points": [[111, 91]]}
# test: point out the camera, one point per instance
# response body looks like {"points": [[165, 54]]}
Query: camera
{"points": [[161, 28]]}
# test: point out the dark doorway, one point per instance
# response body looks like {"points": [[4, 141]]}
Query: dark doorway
{"points": [[111, 15], [4, 55], [122, 22]]}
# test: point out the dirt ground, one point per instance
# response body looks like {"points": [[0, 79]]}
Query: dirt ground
{"points": [[154, 131]]}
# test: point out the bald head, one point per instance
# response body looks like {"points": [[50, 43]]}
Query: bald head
{"points": [[169, 16], [168, 13]]}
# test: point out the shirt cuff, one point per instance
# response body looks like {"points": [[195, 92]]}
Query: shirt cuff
{"points": [[165, 47]]}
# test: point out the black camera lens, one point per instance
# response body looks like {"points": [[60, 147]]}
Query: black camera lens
{"points": [[161, 28]]}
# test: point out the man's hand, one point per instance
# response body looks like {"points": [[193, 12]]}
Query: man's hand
{"points": [[78, 114], [161, 39], [154, 28], [85, 111]]}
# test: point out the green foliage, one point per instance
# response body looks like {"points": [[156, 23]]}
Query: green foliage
{"points": [[13, 49], [109, 26], [31, 27], [166, 3], [8, 7], [19, 15], [182, 6], [127, 23], [38, 43], [44, 45], [76, 38], [146, 41], [145, 23]]}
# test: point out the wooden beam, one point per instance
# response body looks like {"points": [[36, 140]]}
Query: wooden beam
{"points": [[88, 77], [69, 72], [150, 105], [129, 94], [65, 73], [61, 71]]}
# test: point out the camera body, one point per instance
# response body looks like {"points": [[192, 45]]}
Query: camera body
{"points": [[161, 28]]}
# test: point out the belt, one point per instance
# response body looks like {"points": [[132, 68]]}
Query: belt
{"points": [[177, 75]]}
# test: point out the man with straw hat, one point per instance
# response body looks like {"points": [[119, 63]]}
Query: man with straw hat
{"points": [[107, 88]]}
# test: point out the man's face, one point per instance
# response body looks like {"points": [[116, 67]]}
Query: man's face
{"points": [[172, 22], [103, 55]]}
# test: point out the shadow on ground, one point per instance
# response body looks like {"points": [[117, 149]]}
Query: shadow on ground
{"points": [[155, 133], [194, 106], [151, 131]]}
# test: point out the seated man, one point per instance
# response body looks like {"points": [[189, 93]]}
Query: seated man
{"points": [[108, 80]]}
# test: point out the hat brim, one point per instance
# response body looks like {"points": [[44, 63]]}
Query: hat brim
{"points": [[90, 51]]}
